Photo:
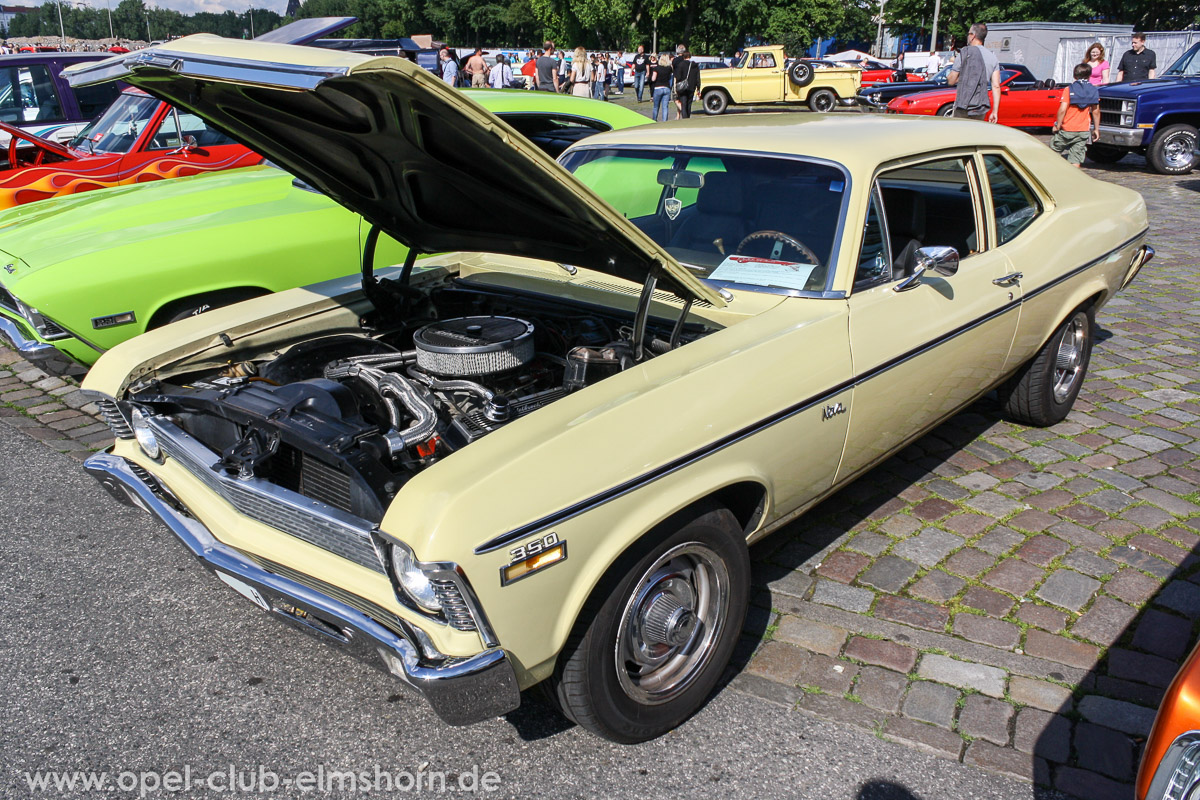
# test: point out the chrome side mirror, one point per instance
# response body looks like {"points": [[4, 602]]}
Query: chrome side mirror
{"points": [[189, 144], [942, 260]]}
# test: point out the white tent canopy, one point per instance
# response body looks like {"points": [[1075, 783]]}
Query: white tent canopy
{"points": [[850, 55]]}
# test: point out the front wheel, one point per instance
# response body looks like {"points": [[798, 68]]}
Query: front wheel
{"points": [[1172, 151], [946, 110], [1044, 389], [822, 100], [714, 101], [653, 640]]}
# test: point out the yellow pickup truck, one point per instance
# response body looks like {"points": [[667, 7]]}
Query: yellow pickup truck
{"points": [[764, 75]]}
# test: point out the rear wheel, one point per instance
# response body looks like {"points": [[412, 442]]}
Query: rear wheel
{"points": [[1172, 151], [1044, 389], [714, 101], [653, 640], [1105, 154], [822, 100]]}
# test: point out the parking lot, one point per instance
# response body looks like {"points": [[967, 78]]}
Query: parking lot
{"points": [[995, 612]]}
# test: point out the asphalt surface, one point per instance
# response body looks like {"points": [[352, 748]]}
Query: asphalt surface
{"points": [[121, 654]]}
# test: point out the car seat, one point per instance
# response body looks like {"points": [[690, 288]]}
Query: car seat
{"points": [[905, 211], [720, 208]]}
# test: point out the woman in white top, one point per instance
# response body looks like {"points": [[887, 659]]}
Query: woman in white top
{"points": [[581, 74]]}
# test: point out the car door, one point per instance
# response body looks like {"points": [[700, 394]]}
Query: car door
{"points": [[177, 144], [1028, 107], [762, 79], [920, 353]]}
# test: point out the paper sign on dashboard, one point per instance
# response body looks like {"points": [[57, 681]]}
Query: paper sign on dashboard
{"points": [[763, 272]]}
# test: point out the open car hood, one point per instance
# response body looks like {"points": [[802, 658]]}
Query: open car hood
{"points": [[388, 140]]}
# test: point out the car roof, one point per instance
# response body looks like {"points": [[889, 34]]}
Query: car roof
{"points": [[54, 55], [854, 140], [520, 101]]}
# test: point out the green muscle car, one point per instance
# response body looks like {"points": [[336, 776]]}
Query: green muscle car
{"points": [[82, 273]]}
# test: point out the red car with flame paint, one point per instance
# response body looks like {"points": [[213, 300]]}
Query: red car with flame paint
{"points": [[137, 139], [1033, 106]]}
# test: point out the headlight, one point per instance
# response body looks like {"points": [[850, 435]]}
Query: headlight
{"points": [[141, 431], [1128, 106], [413, 581], [1178, 774]]}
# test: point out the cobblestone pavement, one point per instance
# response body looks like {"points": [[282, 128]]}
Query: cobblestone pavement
{"points": [[1015, 598]]}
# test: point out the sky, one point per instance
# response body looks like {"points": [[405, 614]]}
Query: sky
{"points": [[184, 6]]}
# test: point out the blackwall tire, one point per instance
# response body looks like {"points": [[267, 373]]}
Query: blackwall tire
{"points": [[659, 630], [1043, 391]]}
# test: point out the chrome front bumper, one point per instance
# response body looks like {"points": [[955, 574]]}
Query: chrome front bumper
{"points": [[45, 356], [461, 690], [1122, 137]]}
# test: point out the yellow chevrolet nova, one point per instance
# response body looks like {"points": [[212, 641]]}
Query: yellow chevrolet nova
{"points": [[540, 456]]}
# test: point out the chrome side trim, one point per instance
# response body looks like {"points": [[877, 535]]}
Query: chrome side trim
{"points": [[310, 520], [461, 690], [653, 475]]}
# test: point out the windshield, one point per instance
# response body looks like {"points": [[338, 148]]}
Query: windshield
{"points": [[118, 128], [1186, 64], [768, 222]]}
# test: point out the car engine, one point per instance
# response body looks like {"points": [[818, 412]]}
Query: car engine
{"points": [[349, 419]]}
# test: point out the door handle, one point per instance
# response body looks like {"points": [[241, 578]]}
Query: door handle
{"points": [[1012, 277]]}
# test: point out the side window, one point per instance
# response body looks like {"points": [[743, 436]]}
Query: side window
{"points": [[27, 94], [763, 60], [177, 128], [929, 205], [1014, 203], [874, 264]]}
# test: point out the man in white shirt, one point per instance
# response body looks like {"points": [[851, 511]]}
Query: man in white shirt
{"points": [[501, 75]]}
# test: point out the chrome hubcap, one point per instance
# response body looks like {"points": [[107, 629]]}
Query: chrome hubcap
{"points": [[1068, 362], [672, 623], [1179, 150]]}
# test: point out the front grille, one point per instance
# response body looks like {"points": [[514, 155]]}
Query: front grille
{"points": [[455, 608], [296, 470], [1110, 111], [51, 330], [8, 301], [275, 506], [111, 413]]}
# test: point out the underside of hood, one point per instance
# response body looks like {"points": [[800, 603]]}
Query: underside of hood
{"points": [[388, 140]]}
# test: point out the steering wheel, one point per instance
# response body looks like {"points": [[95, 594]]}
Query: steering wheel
{"points": [[779, 236]]}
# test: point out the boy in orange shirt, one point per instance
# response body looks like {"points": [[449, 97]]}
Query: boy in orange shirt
{"points": [[1078, 123]]}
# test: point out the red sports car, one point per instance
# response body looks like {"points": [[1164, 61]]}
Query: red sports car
{"points": [[1033, 106], [137, 139], [874, 72]]}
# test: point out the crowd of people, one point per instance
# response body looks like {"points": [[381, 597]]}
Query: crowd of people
{"points": [[667, 78]]}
